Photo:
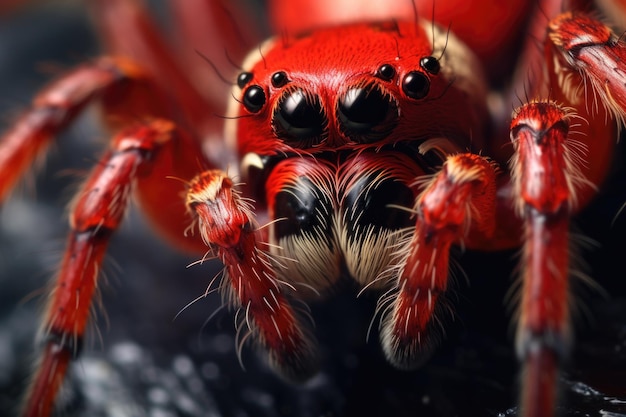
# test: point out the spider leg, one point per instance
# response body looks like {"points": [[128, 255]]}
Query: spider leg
{"points": [[585, 61], [460, 197], [543, 177], [95, 214], [580, 66], [141, 155], [52, 111], [125, 91], [127, 29], [227, 225]]}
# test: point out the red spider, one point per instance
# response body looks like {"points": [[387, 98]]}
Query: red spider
{"points": [[356, 145]]}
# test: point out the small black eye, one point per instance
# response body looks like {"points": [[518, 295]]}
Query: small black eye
{"points": [[386, 72], [254, 98], [415, 85], [244, 78], [430, 64], [279, 79]]}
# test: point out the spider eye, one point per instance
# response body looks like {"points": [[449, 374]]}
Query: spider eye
{"points": [[299, 117], [279, 79], [254, 98], [430, 64], [364, 112], [243, 79], [415, 85], [386, 72]]}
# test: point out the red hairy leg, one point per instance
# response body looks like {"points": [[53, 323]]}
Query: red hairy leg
{"points": [[53, 110], [587, 47], [125, 91], [585, 61], [460, 197], [228, 227], [544, 177], [96, 213], [127, 30]]}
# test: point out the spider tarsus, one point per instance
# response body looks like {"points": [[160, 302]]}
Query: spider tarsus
{"points": [[296, 366], [408, 353]]}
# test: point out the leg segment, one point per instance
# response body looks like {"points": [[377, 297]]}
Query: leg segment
{"points": [[581, 66], [127, 95], [127, 30], [57, 106], [227, 225], [52, 110], [585, 71], [544, 176], [459, 198], [95, 215]]}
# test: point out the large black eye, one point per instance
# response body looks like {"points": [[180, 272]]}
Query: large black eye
{"points": [[366, 114], [299, 118], [415, 85], [254, 98]]}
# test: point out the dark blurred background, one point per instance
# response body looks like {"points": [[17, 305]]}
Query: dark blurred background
{"points": [[142, 362]]}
